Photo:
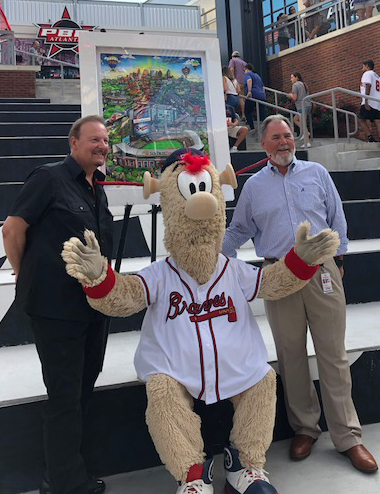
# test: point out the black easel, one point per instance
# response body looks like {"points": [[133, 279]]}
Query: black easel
{"points": [[120, 250]]}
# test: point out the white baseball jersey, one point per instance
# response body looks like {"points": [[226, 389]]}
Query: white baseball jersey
{"points": [[370, 77], [203, 336]]}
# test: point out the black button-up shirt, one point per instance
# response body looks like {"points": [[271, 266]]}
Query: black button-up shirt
{"points": [[58, 203]]}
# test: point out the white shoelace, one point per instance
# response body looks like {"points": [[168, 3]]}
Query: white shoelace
{"points": [[251, 475], [194, 487]]}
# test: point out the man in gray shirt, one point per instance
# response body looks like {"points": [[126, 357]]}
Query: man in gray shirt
{"points": [[299, 91], [34, 50]]}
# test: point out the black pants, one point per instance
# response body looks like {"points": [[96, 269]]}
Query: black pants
{"points": [[71, 354], [250, 109]]}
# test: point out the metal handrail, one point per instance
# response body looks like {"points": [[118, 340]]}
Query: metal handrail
{"points": [[265, 103], [297, 19], [334, 108], [54, 60], [61, 63], [341, 110]]}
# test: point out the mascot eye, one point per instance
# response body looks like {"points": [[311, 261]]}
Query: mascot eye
{"points": [[189, 184]]}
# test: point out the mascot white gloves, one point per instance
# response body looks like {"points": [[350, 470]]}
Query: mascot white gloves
{"points": [[86, 264], [84, 261]]}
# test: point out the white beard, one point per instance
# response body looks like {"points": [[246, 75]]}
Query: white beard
{"points": [[283, 159]]}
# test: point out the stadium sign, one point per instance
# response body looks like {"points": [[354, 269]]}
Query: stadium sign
{"points": [[62, 35]]}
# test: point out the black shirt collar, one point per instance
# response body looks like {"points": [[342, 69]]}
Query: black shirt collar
{"points": [[76, 170]]}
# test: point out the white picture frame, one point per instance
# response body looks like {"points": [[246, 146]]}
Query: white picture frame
{"points": [[93, 44]]}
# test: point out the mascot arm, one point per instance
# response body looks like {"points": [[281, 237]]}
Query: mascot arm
{"points": [[126, 297], [293, 272], [107, 291]]}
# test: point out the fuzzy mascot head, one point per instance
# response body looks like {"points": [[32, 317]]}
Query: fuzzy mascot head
{"points": [[193, 210]]}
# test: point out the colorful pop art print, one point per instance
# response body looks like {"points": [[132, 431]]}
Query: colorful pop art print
{"points": [[169, 95], [152, 105]]}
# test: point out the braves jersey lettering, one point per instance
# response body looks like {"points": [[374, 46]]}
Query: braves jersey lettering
{"points": [[203, 336], [177, 305]]}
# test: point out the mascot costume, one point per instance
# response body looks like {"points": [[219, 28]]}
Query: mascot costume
{"points": [[199, 338]]}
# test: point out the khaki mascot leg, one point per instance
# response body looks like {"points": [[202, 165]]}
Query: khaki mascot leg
{"points": [[174, 427], [253, 421]]}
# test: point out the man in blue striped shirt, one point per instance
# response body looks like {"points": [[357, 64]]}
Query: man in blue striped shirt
{"points": [[271, 205]]}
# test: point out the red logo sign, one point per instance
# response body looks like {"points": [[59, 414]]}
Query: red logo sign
{"points": [[62, 35]]}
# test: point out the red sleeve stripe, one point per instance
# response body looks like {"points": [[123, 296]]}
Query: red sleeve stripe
{"points": [[257, 285], [146, 288], [103, 288], [298, 267]]}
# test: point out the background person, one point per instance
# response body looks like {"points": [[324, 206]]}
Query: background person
{"points": [[59, 201], [364, 8], [35, 50], [299, 91], [235, 130], [254, 88], [283, 32], [369, 109], [271, 205], [314, 21], [231, 88], [292, 24], [237, 65]]}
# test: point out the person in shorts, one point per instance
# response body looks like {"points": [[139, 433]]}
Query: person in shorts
{"points": [[283, 32], [299, 91], [234, 130], [364, 8], [369, 109]]}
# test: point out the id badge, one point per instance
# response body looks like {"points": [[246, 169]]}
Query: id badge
{"points": [[326, 283]]}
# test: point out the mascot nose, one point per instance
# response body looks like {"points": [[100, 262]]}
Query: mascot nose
{"points": [[201, 206]]}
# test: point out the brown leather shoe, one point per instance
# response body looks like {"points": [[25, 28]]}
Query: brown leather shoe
{"points": [[361, 459], [301, 447]]}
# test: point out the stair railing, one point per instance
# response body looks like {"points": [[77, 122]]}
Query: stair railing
{"points": [[326, 10], [335, 110], [346, 113], [61, 63], [281, 109]]}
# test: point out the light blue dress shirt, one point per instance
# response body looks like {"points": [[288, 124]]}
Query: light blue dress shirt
{"points": [[271, 206]]}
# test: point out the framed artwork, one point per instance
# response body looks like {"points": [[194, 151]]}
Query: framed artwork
{"points": [[157, 93]]}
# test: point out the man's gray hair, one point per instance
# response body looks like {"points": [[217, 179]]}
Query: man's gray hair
{"points": [[274, 118]]}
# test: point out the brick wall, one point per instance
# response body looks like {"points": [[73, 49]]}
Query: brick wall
{"points": [[331, 63], [17, 84]]}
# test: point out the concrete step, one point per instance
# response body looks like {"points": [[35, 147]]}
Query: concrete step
{"points": [[22, 365], [344, 156], [16, 169], [28, 107], [34, 146], [40, 116], [24, 100], [353, 185], [117, 438], [362, 269], [13, 129], [370, 163], [325, 471]]}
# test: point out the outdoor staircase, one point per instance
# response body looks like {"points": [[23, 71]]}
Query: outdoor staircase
{"points": [[35, 133]]}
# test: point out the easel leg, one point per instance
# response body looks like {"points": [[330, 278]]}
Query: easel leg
{"points": [[119, 257]]}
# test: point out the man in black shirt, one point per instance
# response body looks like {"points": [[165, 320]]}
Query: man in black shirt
{"points": [[58, 201]]}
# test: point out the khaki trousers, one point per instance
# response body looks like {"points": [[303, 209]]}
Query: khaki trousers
{"points": [[325, 314]]}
